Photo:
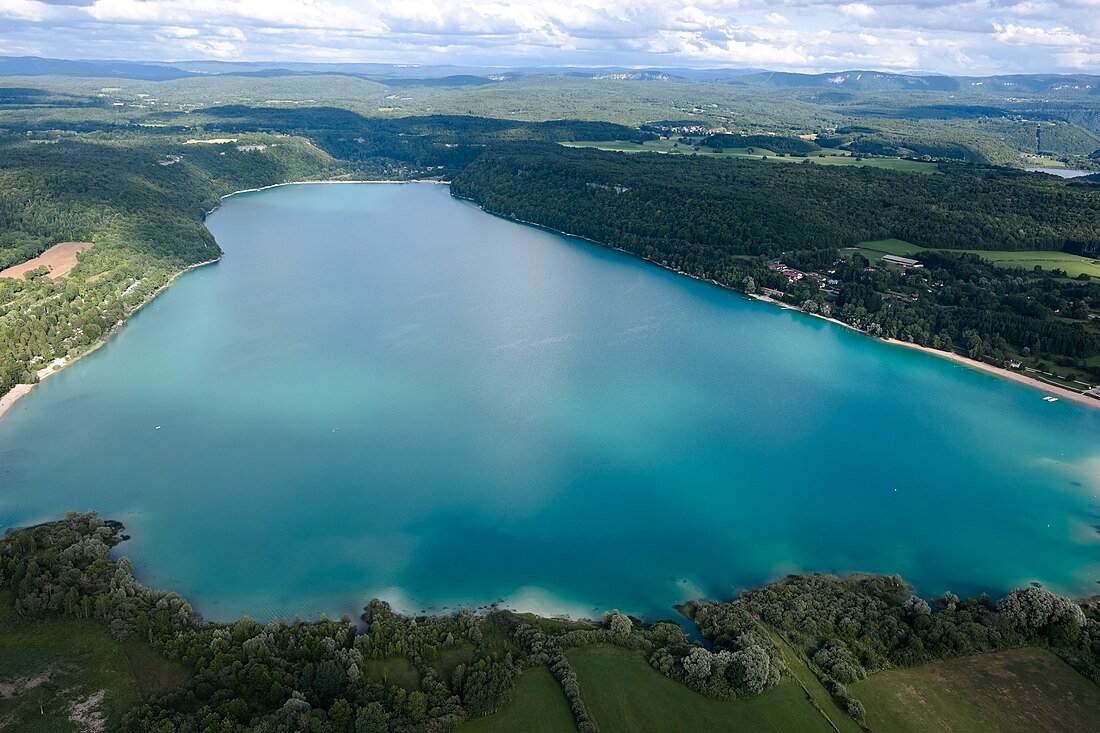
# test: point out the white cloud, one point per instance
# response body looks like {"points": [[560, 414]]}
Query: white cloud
{"points": [[214, 49], [951, 36], [860, 11], [1029, 36]]}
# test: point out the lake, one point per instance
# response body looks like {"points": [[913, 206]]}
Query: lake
{"points": [[1061, 172], [384, 391]]}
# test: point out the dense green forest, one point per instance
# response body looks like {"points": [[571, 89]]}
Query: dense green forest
{"points": [[431, 673], [696, 209], [723, 220]]}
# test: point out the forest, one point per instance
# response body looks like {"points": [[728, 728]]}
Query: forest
{"points": [[329, 676]]}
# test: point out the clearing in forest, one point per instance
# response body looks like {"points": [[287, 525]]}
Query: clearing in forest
{"points": [[58, 259]]}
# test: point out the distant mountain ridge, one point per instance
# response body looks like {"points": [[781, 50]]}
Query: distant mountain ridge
{"points": [[447, 75]]}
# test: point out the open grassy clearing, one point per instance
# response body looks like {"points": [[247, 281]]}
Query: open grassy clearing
{"points": [[539, 706], [449, 658], [393, 671], [1003, 692], [1073, 265], [625, 695], [53, 668], [823, 157]]}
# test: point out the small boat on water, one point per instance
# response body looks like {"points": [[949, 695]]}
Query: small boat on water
{"points": [[1050, 398]]}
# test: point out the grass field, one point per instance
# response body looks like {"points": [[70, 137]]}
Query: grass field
{"points": [[625, 695], [539, 706], [1074, 265], [55, 667], [822, 157], [1004, 692]]}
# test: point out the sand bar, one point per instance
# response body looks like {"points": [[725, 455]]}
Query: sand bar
{"points": [[1015, 376], [8, 400], [59, 258]]}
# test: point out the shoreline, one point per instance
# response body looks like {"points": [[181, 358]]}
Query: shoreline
{"points": [[1061, 392], [1051, 389], [9, 399], [435, 181], [981, 366]]}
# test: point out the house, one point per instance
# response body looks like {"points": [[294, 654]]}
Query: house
{"points": [[901, 261]]}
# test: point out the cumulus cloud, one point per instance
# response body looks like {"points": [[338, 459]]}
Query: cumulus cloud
{"points": [[857, 10], [1030, 36], [950, 36]]}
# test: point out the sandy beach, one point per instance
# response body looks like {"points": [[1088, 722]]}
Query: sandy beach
{"points": [[1050, 389], [8, 400], [1015, 376]]}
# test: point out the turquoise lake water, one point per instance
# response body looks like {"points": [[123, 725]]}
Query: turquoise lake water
{"points": [[383, 391]]}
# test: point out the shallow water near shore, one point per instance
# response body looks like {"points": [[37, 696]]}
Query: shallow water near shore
{"points": [[383, 391]]}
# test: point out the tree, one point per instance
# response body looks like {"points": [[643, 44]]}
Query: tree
{"points": [[620, 625], [486, 688], [372, 719]]}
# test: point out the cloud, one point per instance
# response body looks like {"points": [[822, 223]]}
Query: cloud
{"points": [[950, 36], [1027, 36], [857, 10]]}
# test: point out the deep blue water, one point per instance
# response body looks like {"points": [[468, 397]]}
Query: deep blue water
{"points": [[384, 391]]}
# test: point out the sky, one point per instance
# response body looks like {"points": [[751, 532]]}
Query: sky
{"points": [[941, 36]]}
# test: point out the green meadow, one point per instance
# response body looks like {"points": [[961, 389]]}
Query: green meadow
{"points": [[1002, 692], [822, 157], [1073, 265], [625, 694], [539, 706]]}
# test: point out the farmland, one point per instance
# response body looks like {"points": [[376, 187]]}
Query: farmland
{"points": [[1014, 690]]}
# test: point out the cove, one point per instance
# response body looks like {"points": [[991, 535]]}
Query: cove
{"points": [[384, 391]]}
